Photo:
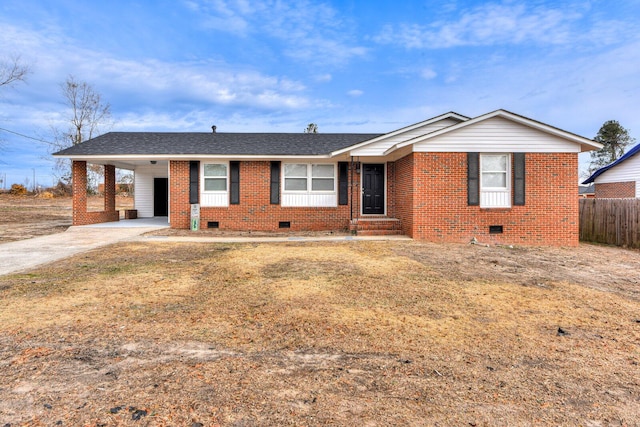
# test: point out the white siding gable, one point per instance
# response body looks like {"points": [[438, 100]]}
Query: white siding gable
{"points": [[379, 148], [498, 135], [628, 170]]}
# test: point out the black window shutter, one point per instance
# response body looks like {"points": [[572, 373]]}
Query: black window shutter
{"points": [[473, 179], [194, 175], [235, 183], [275, 183], [518, 179], [343, 183]]}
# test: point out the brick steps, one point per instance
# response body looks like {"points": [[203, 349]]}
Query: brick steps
{"points": [[377, 226]]}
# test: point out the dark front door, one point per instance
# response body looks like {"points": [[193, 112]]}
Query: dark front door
{"points": [[373, 189], [160, 197]]}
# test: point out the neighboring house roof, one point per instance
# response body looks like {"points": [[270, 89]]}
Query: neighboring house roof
{"points": [[187, 143], [635, 150]]}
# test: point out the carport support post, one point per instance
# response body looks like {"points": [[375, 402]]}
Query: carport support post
{"points": [[109, 188], [79, 189]]}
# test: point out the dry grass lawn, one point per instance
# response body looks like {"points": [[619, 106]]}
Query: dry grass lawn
{"points": [[379, 333], [23, 217]]}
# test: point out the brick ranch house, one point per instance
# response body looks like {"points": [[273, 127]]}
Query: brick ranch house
{"points": [[619, 179], [499, 177]]}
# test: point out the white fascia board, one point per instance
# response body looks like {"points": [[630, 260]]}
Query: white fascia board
{"points": [[585, 143], [450, 115], [394, 148]]}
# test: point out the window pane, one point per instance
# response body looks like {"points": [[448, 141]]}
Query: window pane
{"points": [[495, 180], [215, 170], [295, 184], [322, 171], [321, 184], [215, 184], [494, 163], [298, 170]]}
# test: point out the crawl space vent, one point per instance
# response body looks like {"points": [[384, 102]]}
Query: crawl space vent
{"points": [[495, 229]]}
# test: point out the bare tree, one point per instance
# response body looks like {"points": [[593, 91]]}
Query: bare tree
{"points": [[13, 70], [88, 112], [88, 115]]}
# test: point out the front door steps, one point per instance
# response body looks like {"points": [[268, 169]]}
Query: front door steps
{"points": [[375, 226]]}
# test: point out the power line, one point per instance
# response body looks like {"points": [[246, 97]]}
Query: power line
{"points": [[28, 137]]}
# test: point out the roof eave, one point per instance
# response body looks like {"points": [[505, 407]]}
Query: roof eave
{"points": [[448, 115]]}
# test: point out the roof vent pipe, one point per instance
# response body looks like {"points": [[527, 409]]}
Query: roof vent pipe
{"points": [[213, 128]]}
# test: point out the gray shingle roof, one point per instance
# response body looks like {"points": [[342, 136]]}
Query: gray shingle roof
{"points": [[165, 143]]}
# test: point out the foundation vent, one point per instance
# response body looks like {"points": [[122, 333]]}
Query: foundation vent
{"points": [[495, 229]]}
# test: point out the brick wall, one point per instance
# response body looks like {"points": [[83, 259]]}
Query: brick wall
{"points": [[79, 188], [403, 192], [255, 212], [179, 206], [109, 188], [426, 191], [432, 204], [616, 190]]}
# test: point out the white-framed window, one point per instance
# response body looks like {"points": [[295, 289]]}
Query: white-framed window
{"points": [[295, 177], [323, 178], [215, 177], [495, 180], [309, 177], [214, 187], [309, 185]]}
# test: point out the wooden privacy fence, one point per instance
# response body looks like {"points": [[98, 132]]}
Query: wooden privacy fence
{"points": [[610, 221]]}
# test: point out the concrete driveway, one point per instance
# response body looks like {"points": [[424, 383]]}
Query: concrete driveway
{"points": [[26, 254]]}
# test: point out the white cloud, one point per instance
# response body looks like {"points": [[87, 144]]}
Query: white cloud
{"points": [[428, 74], [169, 82], [489, 24], [355, 93], [310, 31], [323, 78]]}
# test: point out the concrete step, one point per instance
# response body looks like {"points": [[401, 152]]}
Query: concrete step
{"points": [[376, 226]]}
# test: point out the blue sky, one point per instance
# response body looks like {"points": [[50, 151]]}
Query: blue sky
{"points": [[349, 66]]}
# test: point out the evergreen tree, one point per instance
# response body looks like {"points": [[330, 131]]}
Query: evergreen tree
{"points": [[614, 139]]}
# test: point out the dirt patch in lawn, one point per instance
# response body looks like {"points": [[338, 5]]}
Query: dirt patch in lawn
{"points": [[23, 217], [363, 333]]}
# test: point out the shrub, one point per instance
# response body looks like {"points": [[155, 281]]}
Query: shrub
{"points": [[46, 195], [18, 190], [61, 189]]}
